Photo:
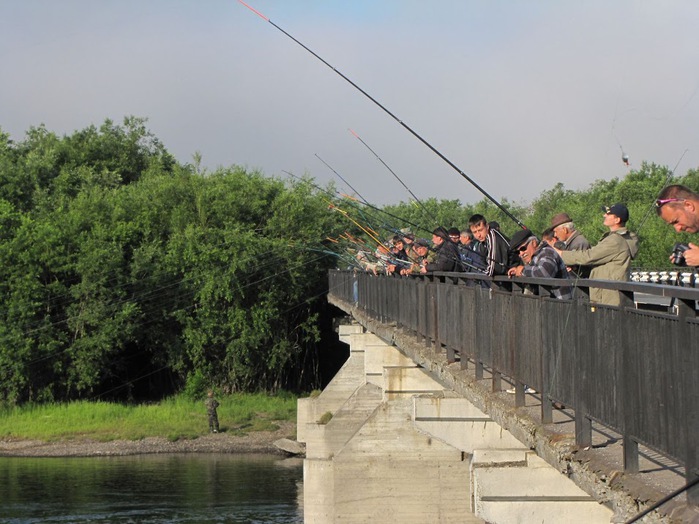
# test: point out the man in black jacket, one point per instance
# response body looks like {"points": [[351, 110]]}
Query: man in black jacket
{"points": [[494, 246], [447, 255]]}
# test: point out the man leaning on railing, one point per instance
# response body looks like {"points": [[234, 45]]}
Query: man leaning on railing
{"points": [[540, 260], [611, 258]]}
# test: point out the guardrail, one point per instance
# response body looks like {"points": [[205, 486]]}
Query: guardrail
{"points": [[632, 368]]}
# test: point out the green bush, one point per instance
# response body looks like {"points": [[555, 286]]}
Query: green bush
{"points": [[196, 386]]}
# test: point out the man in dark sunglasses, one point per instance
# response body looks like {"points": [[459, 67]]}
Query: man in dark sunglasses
{"points": [[679, 207], [539, 259]]}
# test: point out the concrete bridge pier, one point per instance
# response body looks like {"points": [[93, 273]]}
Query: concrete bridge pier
{"points": [[385, 442]]}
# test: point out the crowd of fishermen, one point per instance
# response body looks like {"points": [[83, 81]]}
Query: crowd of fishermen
{"points": [[560, 252]]}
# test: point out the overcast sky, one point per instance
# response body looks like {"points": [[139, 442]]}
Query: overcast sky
{"points": [[519, 95]]}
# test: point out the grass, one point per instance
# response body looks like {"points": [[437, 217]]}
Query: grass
{"points": [[174, 418]]}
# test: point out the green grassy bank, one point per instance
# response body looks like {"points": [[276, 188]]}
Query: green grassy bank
{"points": [[174, 418]]}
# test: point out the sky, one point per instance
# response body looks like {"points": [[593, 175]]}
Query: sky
{"points": [[518, 95]]}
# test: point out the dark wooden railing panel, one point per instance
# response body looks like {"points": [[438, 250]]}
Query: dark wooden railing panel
{"points": [[559, 340], [600, 342], [483, 326], [653, 383], [527, 348]]}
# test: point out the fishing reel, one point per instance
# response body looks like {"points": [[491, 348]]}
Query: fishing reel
{"points": [[677, 255]]}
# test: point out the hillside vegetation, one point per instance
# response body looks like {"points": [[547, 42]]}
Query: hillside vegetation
{"points": [[126, 275]]}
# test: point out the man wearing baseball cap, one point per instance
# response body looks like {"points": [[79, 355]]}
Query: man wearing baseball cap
{"points": [[611, 257]]}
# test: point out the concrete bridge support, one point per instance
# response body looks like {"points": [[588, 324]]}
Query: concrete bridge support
{"points": [[385, 442]]}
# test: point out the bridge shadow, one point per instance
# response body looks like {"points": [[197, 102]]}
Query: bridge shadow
{"points": [[655, 468]]}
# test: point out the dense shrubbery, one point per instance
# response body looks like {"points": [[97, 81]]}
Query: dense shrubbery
{"points": [[125, 273], [128, 275]]}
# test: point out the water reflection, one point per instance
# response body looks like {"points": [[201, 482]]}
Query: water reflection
{"points": [[178, 488]]}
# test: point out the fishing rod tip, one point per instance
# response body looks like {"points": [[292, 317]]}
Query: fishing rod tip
{"points": [[255, 11]]}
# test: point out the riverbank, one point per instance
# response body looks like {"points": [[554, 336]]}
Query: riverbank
{"points": [[251, 442]]}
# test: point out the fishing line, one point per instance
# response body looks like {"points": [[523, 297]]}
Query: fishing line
{"points": [[458, 259], [150, 294], [66, 299], [429, 215], [624, 156], [307, 301], [367, 204], [61, 302], [341, 178], [159, 307], [405, 126]]}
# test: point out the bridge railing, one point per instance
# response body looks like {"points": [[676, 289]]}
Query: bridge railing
{"points": [[633, 368]]}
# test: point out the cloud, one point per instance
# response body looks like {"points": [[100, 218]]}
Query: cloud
{"points": [[518, 95]]}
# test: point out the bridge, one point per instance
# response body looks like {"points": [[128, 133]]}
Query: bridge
{"points": [[605, 398]]}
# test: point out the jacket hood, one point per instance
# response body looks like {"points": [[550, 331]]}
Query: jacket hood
{"points": [[631, 241]]}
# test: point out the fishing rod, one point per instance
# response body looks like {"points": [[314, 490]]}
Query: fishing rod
{"points": [[341, 177], [367, 204], [343, 257], [363, 200], [389, 113], [663, 500], [429, 215], [464, 262], [372, 234]]}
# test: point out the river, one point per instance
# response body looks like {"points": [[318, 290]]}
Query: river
{"points": [[173, 488]]}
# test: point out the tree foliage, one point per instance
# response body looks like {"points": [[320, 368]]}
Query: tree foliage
{"points": [[125, 273]]}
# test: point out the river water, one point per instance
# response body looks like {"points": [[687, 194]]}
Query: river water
{"points": [[173, 488]]}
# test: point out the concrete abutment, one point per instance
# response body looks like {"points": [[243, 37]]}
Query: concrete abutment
{"points": [[386, 442]]}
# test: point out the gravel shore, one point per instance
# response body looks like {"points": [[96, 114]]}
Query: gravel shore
{"points": [[253, 442]]}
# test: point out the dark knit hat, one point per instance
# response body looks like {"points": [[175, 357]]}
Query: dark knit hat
{"points": [[421, 242], [454, 231], [441, 232]]}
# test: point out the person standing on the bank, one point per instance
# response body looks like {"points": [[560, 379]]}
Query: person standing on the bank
{"points": [[211, 405]]}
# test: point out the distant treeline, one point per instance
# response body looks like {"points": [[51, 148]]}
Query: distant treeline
{"points": [[638, 190], [128, 275]]}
